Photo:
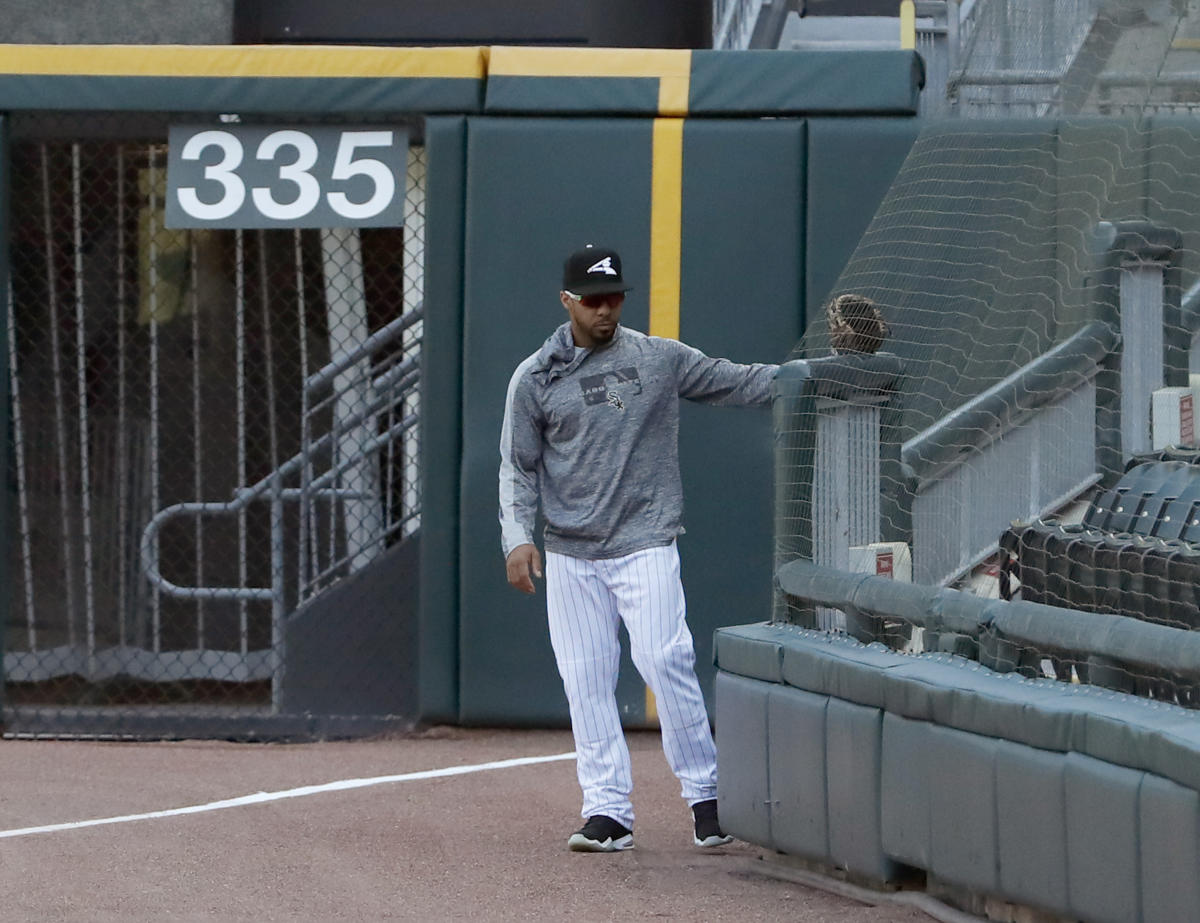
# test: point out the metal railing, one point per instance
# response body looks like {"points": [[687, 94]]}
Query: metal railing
{"points": [[733, 22], [374, 426], [1004, 459]]}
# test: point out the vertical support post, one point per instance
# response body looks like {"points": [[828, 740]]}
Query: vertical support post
{"points": [[953, 21], [197, 431], [85, 465], [5, 286], [346, 307], [124, 553], [303, 570], [793, 411], [1141, 305], [278, 601], [240, 339], [846, 488], [60, 420], [828, 467], [264, 295], [155, 430], [1136, 292], [18, 449], [413, 299]]}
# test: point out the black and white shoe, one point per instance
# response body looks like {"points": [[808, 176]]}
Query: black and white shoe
{"points": [[601, 834], [708, 828]]}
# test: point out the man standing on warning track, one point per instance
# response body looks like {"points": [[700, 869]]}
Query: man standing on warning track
{"points": [[591, 430]]}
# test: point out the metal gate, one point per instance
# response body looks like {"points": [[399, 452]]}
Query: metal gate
{"points": [[253, 394]]}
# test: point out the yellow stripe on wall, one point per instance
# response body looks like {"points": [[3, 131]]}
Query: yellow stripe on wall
{"points": [[666, 221], [666, 227], [908, 25], [243, 61]]}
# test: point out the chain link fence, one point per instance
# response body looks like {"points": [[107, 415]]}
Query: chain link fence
{"points": [[209, 427]]}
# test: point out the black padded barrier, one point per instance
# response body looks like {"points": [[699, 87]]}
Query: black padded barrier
{"points": [[1157, 496], [1134, 555]]}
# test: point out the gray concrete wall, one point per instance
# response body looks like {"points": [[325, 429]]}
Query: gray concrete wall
{"points": [[101, 22]]}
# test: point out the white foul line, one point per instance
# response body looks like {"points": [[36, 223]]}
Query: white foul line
{"points": [[301, 792]]}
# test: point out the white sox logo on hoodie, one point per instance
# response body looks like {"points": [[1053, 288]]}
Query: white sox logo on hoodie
{"points": [[607, 387]]}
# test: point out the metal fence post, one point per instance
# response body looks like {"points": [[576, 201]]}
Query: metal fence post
{"points": [[278, 599], [846, 486], [1138, 294], [828, 462]]}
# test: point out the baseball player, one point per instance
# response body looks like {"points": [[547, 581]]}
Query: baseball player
{"points": [[591, 424]]}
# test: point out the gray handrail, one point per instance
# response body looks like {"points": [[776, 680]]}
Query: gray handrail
{"points": [[1044, 381], [400, 378], [1082, 635], [149, 546], [734, 12], [376, 341], [406, 378]]}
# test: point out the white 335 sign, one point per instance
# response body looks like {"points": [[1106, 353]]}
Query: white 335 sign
{"points": [[315, 176]]}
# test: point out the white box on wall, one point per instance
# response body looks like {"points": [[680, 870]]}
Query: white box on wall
{"points": [[1173, 417], [884, 559]]}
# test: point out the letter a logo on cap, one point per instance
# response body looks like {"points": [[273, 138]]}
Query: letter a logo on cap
{"points": [[604, 266]]}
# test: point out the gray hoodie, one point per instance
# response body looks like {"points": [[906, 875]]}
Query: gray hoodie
{"points": [[595, 434]]}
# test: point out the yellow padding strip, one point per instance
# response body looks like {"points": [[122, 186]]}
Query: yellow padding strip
{"points": [[908, 25], [666, 227], [243, 61], [1186, 44], [666, 222], [672, 67]]}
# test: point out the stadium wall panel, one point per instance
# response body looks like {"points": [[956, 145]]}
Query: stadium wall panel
{"points": [[441, 396], [532, 196]]}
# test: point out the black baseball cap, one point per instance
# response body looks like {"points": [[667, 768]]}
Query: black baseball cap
{"points": [[593, 271]]}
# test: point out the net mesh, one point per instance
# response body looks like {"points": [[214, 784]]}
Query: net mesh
{"points": [[261, 385], [1034, 263]]}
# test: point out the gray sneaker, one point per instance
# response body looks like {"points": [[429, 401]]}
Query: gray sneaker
{"points": [[601, 834], [708, 828]]}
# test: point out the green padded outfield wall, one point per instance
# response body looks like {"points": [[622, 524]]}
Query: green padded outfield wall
{"points": [[851, 164], [541, 185], [538, 188], [741, 297], [441, 410], [7, 502]]}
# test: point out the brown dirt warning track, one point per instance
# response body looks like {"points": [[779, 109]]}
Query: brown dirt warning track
{"points": [[481, 845]]}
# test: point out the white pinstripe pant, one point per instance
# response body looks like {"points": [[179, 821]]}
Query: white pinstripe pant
{"points": [[584, 601]]}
